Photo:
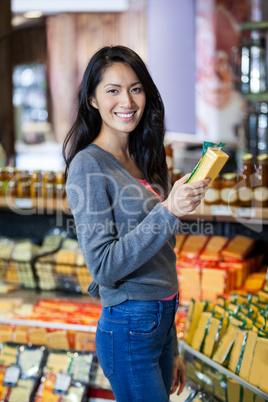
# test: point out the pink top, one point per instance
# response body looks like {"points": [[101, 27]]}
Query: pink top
{"points": [[147, 185]]}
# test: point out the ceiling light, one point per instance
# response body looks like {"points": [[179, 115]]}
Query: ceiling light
{"points": [[33, 14]]}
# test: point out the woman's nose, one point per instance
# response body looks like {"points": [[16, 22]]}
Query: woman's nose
{"points": [[126, 100]]}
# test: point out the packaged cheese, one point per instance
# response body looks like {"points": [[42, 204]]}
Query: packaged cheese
{"points": [[236, 350], [259, 369], [212, 251], [211, 336], [247, 356], [193, 246], [212, 161], [201, 330], [233, 390], [192, 320], [225, 345], [238, 248]]}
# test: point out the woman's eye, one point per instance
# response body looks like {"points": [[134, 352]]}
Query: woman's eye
{"points": [[137, 90], [112, 91]]}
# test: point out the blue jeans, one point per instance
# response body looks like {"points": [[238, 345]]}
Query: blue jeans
{"points": [[134, 345]]}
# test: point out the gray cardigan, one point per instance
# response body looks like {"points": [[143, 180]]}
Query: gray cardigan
{"points": [[126, 235]]}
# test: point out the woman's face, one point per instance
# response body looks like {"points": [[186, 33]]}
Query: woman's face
{"points": [[120, 99]]}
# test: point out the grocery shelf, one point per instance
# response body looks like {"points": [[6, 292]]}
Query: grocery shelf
{"points": [[35, 205], [47, 324], [228, 213], [213, 213], [223, 370]]}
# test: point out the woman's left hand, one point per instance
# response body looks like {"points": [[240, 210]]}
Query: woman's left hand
{"points": [[178, 376]]}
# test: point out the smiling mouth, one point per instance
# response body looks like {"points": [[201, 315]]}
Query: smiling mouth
{"points": [[125, 115]]}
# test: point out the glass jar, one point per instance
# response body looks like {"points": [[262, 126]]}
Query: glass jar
{"points": [[60, 178], [60, 191], [36, 189], [23, 189], [169, 157], [2, 173], [24, 176], [37, 176], [260, 191], [245, 178], [10, 173], [11, 188], [48, 190], [229, 194], [50, 177], [213, 193]]}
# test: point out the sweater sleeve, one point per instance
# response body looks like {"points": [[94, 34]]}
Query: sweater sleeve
{"points": [[109, 256]]}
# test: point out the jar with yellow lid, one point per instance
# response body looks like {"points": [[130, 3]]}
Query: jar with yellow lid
{"points": [[23, 189], [50, 177], [245, 179], [23, 175], [11, 188], [48, 190], [260, 191], [10, 173], [36, 189], [213, 194], [37, 176], [229, 194], [60, 191], [60, 178]]}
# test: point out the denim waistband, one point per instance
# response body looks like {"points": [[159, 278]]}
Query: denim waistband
{"points": [[144, 306]]}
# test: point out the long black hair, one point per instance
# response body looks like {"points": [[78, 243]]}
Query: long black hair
{"points": [[146, 141]]}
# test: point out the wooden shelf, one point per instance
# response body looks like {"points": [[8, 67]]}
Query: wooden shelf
{"points": [[216, 213], [225, 213], [223, 370], [35, 205]]}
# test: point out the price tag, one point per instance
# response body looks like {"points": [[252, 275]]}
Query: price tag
{"points": [[223, 210], [62, 383], [11, 376], [23, 203], [245, 212]]}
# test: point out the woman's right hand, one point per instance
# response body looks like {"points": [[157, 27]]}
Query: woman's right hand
{"points": [[184, 198]]}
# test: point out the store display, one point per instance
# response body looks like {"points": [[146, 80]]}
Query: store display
{"points": [[240, 343], [26, 184], [209, 266]]}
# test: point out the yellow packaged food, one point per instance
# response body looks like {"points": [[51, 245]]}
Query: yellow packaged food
{"points": [[212, 161]]}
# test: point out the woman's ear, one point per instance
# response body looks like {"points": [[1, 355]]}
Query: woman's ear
{"points": [[93, 102]]}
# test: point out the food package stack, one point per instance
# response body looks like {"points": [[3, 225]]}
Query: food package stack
{"points": [[211, 265], [30, 359], [23, 254], [56, 311], [188, 265], [233, 332], [75, 368], [6, 248]]}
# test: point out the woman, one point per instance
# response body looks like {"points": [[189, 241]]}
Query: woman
{"points": [[126, 220]]}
